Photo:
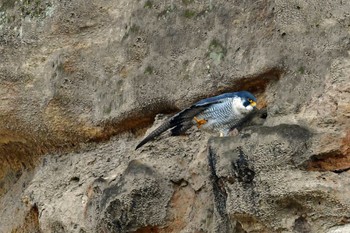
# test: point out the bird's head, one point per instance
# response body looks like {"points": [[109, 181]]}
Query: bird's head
{"points": [[247, 99]]}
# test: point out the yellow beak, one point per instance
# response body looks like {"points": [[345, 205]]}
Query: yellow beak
{"points": [[253, 103]]}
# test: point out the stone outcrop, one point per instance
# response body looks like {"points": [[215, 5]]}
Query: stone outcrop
{"points": [[82, 81]]}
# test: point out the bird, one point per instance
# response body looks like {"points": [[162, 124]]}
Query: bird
{"points": [[218, 114]]}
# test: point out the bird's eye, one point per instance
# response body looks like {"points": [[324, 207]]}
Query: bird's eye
{"points": [[250, 100]]}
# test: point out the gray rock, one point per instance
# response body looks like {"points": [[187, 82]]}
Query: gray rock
{"points": [[139, 198], [264, 190], [81, 81]]}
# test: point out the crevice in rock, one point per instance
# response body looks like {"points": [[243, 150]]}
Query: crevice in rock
{"points": [[255, 83], [147, 229], [301, 225], [220, 195], [239, 228], [241, 169], [31, 222], [341, 170], [136, 121], [335, 162]]}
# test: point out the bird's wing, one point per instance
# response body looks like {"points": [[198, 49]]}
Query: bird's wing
{"points": [[216, 99], [181, 121], [181, 128]]}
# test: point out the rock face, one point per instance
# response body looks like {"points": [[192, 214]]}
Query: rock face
{"points": [[265, 186], [82, 81]]}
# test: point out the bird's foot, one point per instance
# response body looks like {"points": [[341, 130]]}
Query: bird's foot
{"points": [[200, 122]]}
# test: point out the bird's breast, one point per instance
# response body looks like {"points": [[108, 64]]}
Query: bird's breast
{"points": [[219, 116]]}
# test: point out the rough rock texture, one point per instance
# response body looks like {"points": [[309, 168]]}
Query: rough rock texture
{"points": [[261, 180], [81, 82]]}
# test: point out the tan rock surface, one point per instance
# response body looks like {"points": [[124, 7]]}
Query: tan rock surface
{"points": [[81, 82]]}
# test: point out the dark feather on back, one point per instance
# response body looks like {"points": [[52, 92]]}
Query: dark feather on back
{"points": [[179, 123]]}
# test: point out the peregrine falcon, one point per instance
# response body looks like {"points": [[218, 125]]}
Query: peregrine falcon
{"points": [[218, 114]]}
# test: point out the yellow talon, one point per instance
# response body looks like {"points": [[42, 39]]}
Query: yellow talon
{"points": [[200, 122]]}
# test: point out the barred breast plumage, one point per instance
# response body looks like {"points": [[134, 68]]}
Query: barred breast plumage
{"points": [[221, 117], [216, 114]]}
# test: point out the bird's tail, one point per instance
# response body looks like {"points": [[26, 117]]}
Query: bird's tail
{"points": [[180, 122], [166, 125]]}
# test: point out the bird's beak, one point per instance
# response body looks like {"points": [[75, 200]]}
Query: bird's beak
{"points": [[253, 103]]}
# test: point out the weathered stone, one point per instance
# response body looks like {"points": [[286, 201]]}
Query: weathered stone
{"points": [[138, 199], [80, 81], [265, 189]]}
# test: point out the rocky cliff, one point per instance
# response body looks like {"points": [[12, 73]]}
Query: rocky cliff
{"points": [[82, 81]]}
